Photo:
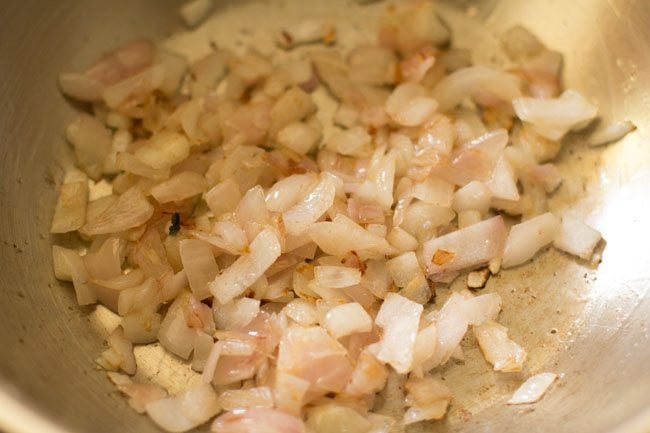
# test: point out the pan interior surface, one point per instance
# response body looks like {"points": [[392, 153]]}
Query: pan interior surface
{"points": [[587, 323]]}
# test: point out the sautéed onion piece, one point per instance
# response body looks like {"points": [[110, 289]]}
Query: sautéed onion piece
{"points": [[292, 265]]}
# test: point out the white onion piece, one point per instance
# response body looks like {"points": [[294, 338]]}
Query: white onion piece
{"points": [[287, 192], [409, 105], [251, 212], [369, 375], [131, 164], [122, 61], [577, 238], [81, 87], [236, 314], [164, 150], [70, 210], [139, 393], [195, 11], [299, 137], [294, 105], [553, 118], [407, 275], [336, 276], [289, 392], [138, 85], [302, 312], [528, 237], [426, 344], [306, 31], [311, 354], [185, 411], [347, 319], [503, 182], [379, 183], [482, 308], [208, 72], [342, 235], [499, 350], [402, 240], [257, 420], [119, 355], [466, 82], [130, 210], [451, 327], [264, 250], [299, 217], [223, 197], [427, 398], [150, 255], [141, 298], [246, 398], [174, 334], [533, 388], [380, 423], [71, 267], [399, 317], [611, 133], [199, 264], [469, 247], [473, 196], [352, 142], [202, 347], [333, 418], [92, 143], [179, 187], [175, 69]]}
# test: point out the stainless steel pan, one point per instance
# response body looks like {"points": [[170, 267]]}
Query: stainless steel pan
{"points": [[588, 323]]}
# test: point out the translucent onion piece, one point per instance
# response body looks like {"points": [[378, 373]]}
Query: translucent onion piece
{"points": [[577, 238], [257, 420], [184, 411], [130, 210], [499, 350], [400, 318], [526, 238], [533, 389]]}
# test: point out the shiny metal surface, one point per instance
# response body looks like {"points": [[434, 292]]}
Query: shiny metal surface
{"points": [[599, 315]]}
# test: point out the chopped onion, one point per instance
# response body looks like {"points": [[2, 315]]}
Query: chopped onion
{"points": [[347, 319], [369, 375], [181, 186], [130, 210], [294, 105], [311, 354], [141, 328], [139, 394], [70, 210], [312, 206], [92, 143], [553, 118], [399, 317], [199, 264], [164, 150], [427, 398], [499, 350], [185, 411], [342, 235], [264, 250], [223, 197], [119, 355], [473, 196], [354, 142], [577, 238], [526, 238], [174, 333], [302, 312], [136, 86], [467, 82], [246, 398], [81, 87], [336, 276], [257, 420], [409, 105], [533, 389], [611, 133], [236, 314], [289, 392], [203, 344], [71, 265], [407, 274], [466, 248], [299, 137]]}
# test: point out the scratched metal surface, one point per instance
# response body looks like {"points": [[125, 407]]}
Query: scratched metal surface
{"points": [[587, 323]]}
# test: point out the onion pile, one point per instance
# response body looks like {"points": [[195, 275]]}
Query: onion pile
{"points": [[295, 268]]}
